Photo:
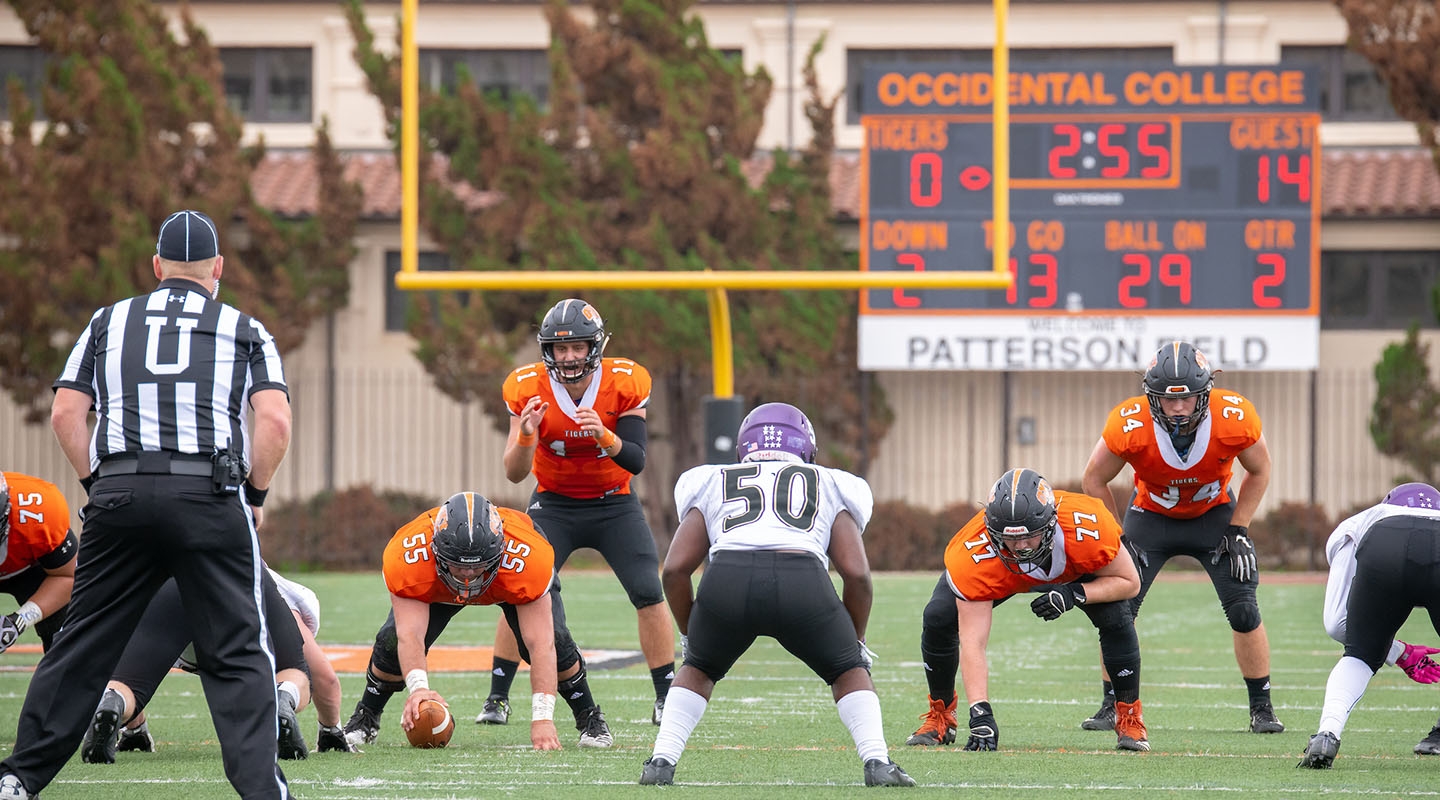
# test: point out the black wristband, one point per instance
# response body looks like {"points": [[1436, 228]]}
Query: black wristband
{"points": [[253, 496], [87, 481]]}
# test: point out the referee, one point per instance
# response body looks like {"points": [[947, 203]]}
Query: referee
{"points": [[176, 479]]}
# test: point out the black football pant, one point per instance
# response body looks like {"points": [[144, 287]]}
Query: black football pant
{"points": [[162, 637], [1397, 569], [139, 530]]}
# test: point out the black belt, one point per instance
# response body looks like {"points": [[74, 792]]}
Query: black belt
{"points": [[148, 463]]}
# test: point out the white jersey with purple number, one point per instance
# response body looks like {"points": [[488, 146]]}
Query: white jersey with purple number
{"points": [[772, 505]]}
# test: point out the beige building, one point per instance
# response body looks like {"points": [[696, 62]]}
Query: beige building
{"points": [[289, 64]]}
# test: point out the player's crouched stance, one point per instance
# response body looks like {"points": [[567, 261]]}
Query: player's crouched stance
{"points": [[468, 552], [768, 524], [1030, 538]]}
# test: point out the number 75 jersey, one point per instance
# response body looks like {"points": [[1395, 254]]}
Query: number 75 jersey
{"points": [[772, 505], [1165, 483]]}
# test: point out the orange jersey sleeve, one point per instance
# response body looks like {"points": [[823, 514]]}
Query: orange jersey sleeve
{"points": [[568, 460], [39, 522], [1088, 534], [1164, 482], [524, 574]]}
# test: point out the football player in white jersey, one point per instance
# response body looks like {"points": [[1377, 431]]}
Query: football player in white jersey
{"points": [[1384, 563], [770, 524]]}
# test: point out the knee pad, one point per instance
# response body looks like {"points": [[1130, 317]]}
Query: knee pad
{"points": [[376, 684], [568, 686], [567, 653], [941, 632], [1244, 615]]}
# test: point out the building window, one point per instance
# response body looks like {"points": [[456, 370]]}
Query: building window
{"points": [[857, 60], [269, 84], [1350, 88], [1378, 290], [503, 73], [397, 302], [25, 64]]}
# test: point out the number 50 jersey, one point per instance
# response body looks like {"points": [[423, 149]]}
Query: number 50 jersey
{"points": [[772, 505], [1165, 483]]}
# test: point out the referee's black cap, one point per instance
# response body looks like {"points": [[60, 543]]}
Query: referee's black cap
{"points": [[187, 236]]}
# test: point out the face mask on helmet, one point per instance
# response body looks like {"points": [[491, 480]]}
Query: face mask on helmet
{"points": [[776, 432], [1414, 495], [1020, 516], [572, 321], [468, 544], [1178, 371]]}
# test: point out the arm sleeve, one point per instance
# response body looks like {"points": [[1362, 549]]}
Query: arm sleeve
{"points": [[631, 430]]}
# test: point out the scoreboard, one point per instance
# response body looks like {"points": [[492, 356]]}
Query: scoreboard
{"points": [[1145, 205]]}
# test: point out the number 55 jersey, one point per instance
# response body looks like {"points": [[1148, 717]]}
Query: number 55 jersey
{"points": [[1165, 483], [524, 574]]}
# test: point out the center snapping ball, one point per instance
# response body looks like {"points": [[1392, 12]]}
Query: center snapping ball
{"points": [[433, 725]]}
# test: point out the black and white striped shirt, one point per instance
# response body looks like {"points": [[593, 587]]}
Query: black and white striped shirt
{"points": [[171, 371]]}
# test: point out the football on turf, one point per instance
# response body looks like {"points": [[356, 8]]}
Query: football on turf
{"points": [[433, 725]]}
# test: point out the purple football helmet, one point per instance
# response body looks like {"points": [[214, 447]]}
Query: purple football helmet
{"points": [[1414, 495], [776, 432]]}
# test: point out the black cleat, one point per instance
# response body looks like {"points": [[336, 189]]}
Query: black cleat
{"points": [[333, 738], [495, 712], [138, 740], [1262, 720], [103, 736], [594, 732], [1321, 752], [657, 772], [1430, 745], [886, 773], [1104, 719], [290, 744], [363, 727]]}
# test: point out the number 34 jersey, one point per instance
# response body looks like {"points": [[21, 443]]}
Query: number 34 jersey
{"points": [[524, 575], [1165, 483], [772, 505]]}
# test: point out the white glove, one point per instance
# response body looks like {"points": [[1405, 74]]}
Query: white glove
{"points": [[684, 648], [866, 655]]}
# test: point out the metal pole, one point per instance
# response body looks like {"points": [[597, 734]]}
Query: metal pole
{"points": [[1220, 32], [790, 76]]}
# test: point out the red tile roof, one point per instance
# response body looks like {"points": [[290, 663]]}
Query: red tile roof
{"points": [[1357, 184]]}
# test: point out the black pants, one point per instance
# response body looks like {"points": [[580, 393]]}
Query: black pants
{"points": [[140, 530], [162, 637], [786, 596], [615, 527], [1397, 569]]}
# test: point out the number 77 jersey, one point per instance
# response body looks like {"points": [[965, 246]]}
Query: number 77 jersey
{"points": [[1165, 483]]}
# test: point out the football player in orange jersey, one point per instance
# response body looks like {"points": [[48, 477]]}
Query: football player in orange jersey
{"points": [[37, 557], [468, 552], [1029, 538], [1182, 437], [577, 422]]}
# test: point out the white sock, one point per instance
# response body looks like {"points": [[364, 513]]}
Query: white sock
{"points": [[860, 711], [1347, 684], [289, 689], [683, 710]]}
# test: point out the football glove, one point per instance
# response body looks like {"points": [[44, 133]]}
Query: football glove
{"points": [[1417, 663], [1235, 544], [984, 733], [1057, 600], [11, 626], [867, 656], [684, 648]]}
